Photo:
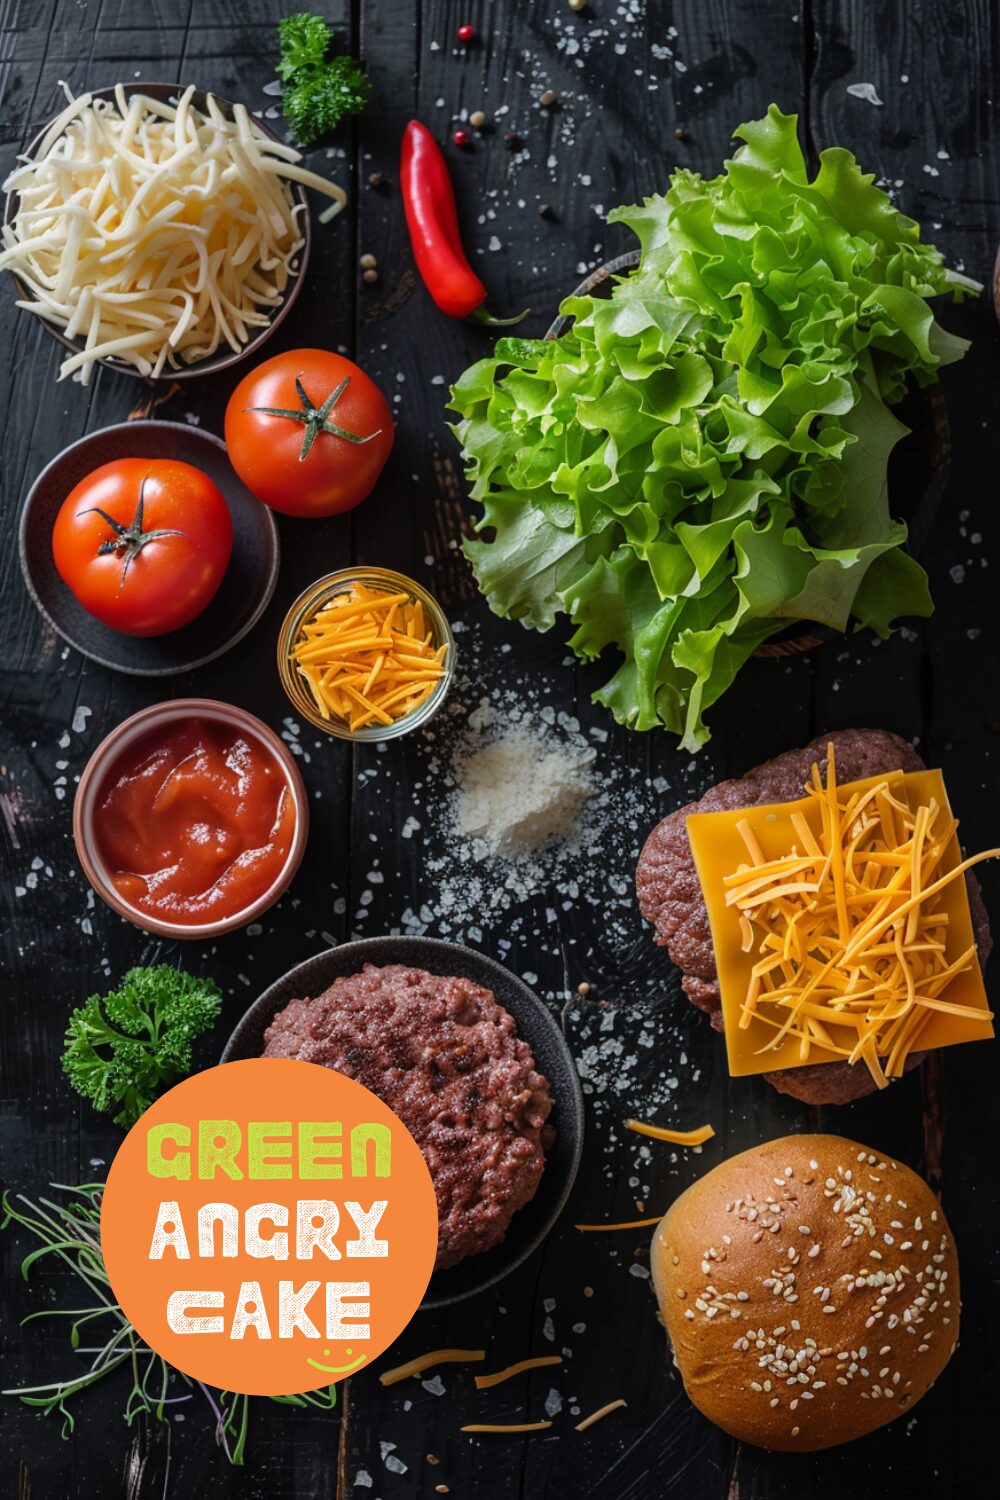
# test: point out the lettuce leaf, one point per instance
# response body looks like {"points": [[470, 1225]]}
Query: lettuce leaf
{"points": [[703, 455]]}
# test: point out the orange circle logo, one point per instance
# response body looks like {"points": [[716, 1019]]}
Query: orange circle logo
{"points": [[269, 1226]]}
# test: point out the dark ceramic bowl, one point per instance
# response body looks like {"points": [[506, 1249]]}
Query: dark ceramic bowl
{"points": [[535, 1024], [918, 465], [245, 590], [224, 357]]}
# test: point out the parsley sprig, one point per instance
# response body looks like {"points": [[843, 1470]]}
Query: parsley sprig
{"points": [[319, 90], [123, 1048]]}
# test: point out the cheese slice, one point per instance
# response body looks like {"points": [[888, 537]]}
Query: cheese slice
{"points": [[837, 934]]}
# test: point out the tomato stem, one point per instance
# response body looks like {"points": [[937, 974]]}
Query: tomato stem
{"points": [[129, 540], [315, 419]]}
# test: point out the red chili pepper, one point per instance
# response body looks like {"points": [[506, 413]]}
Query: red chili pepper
{"points": [[432, 219]]}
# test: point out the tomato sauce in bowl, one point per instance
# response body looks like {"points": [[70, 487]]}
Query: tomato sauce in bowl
{"points": [[190, 818]]}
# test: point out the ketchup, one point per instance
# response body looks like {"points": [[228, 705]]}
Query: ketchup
{"points": [[194, 823]]}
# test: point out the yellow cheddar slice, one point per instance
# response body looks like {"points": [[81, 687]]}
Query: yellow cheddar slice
{"points": [[841, 925]]}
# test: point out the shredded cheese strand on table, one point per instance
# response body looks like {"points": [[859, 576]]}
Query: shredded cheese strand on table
{"points": [[425, 1361], [849, 935], [631, 1224], [369, 656], [506, 1426], [153, 232], [600, 1413], [674, 1137], [487, 1382]]}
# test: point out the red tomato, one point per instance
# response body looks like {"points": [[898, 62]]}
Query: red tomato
{"points": [[308, 433], [144, 543]]}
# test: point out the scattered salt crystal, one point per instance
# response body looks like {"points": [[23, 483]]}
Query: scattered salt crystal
{"points": [[866, 91], [516, 794], [393, 1464]]}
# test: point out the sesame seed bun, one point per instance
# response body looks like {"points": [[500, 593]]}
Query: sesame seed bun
{"points": [[810, 1291]]}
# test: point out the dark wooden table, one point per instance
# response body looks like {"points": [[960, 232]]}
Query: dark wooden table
{"points": [[629, 75]]}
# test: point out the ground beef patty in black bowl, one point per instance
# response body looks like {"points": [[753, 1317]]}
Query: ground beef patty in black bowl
{"points": [[471, 1061]]}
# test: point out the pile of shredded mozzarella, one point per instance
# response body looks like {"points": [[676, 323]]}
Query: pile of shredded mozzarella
{"points": [[153, 232]]}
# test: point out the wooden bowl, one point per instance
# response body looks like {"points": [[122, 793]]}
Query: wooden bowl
{"points": [[225, 356], [918, 465]]}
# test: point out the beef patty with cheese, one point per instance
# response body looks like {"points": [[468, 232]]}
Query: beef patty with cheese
{"points": [[670, 894]]}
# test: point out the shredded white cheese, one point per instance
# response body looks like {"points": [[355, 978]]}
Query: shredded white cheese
{"points": [[153, 232]]}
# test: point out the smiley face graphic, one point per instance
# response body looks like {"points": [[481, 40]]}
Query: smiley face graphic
{"points": [[337, 1369]]}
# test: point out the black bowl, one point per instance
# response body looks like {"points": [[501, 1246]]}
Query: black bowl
{"points": [[918, 465], [536, 1025], [224, 357], [245, 590]]}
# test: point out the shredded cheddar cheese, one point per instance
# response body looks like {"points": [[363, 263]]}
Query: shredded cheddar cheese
{"points": [[369, 656], [847, 929], [425, 1361], [631, 1224], [486, 1382], [601, 1412], [506, 1426], [674, 1137]]}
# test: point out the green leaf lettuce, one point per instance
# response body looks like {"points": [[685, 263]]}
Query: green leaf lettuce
{"points": [[702, 456]]}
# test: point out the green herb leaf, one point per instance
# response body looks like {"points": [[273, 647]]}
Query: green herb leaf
{"points": [[319, 89], [123, 1049], [703, 455]]}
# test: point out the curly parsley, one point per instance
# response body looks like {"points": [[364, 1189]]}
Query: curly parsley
{"points": [[319, 90], [122, 1049]]}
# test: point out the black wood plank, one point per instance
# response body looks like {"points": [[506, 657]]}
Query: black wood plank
{"points": [[628, 76]]}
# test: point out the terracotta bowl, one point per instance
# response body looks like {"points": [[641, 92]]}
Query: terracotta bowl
{"points": [[224, 357], [165, 716]]}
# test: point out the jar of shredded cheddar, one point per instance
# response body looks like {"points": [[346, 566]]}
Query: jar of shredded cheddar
{"points": [[366, 654]]}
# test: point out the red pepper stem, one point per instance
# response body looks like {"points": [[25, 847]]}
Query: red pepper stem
{"points": [[487, 320]]}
